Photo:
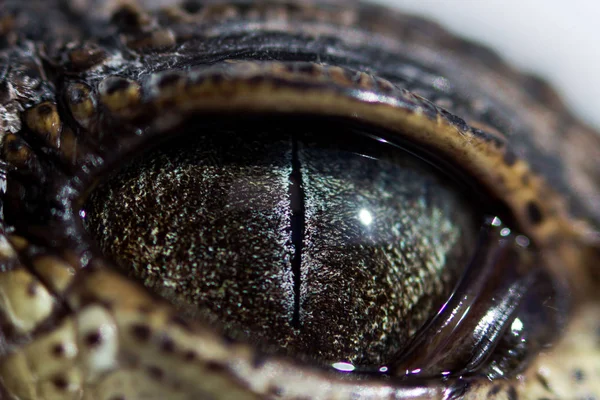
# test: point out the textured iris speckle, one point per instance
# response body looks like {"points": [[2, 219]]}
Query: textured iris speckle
{"points": [[333, 250]]}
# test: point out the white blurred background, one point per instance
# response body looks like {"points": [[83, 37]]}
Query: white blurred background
{"points": [[556, 39]]}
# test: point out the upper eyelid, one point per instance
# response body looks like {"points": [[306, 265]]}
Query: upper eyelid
{"points": [[334, 91], [279, 87]]}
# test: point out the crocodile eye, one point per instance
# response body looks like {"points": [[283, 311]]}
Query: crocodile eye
{"points": [[301, 235], [325, 239], [329, 241], [284, 200]]}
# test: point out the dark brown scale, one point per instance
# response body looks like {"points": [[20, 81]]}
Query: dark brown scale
{"points": [[129, 19], [155, 372], [58, 350], [93, 339], [141, 332], [86, 56], [535, 215], [169, 79], [167, 345], [61, 383]]}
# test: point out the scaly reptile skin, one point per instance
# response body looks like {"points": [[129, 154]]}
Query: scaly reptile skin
{"points": [[76, 76]]}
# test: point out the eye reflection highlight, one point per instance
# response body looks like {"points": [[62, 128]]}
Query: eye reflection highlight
{"points": [[343, 366], [365, 217], [517, 325]]}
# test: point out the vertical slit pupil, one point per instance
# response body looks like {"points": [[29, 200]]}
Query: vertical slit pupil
{"points": [[297, 228]]}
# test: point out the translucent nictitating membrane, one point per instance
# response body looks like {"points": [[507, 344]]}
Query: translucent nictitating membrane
{"points": [[505, 308]]}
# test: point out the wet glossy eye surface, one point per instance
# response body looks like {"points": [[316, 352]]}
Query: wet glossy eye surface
{"points": [[305, 238]]}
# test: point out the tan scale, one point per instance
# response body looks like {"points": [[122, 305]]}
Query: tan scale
{"points": [[7, 252], [222, 12], [54, 271], [578, 353], [19, 243], [168, 85], [86, 56], [24, 375], [126, 383], [44, 120], [119, 95], [98, 342], [132, 12], [16, 152], [69, 146], [143, 328], [81, 102], [24, 300], [65, 386]]}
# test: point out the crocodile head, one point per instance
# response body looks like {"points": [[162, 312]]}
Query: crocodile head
{"points": [[87, 311]]}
